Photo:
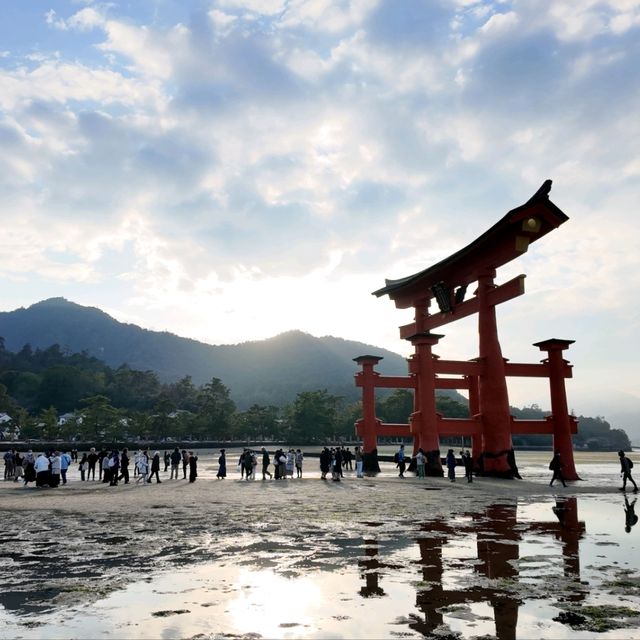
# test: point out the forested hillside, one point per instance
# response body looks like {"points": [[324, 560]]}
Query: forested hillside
{"points": [[269, 371]]}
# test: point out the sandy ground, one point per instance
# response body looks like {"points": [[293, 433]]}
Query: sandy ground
{"points": [[213, 496], [80, 542]]}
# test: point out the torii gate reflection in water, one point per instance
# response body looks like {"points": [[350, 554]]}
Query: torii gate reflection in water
{"points": [[490, 424], [498, 535]]}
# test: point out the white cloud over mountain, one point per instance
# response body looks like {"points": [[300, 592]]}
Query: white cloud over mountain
{"points": [[233, 168]]}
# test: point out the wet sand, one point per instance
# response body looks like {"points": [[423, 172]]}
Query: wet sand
{"points": [[81, 545]]}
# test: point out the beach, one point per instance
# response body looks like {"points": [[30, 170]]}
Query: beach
{"points": [[371, 557]]}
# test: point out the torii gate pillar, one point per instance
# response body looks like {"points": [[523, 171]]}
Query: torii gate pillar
{"points": [[369, 423], [492, 387], [424, 421], [559, 408]]}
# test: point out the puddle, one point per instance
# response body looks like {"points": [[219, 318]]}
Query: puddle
{"points": [[515, 568]]}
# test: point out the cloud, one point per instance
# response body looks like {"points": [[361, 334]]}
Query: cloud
{"points": [[238, 150]]}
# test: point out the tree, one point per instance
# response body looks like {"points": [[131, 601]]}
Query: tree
{"points": [[312, 417], [183, 394], [257, 422], [133, 389], [7, 405], [348, 415], [215, 411], [63, 386], [49, 427], [162, 423], [397, 407], [99, 418]]}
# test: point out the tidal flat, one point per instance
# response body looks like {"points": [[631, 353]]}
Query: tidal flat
{"points": [[363, 558]]}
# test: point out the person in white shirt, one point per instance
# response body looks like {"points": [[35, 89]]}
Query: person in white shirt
{"points": [[54, 471], [42, 470]]}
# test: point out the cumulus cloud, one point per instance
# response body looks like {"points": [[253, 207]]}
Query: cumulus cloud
{"points": [[243, 146]]}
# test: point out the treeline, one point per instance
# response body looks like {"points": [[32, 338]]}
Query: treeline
{"points": [[52, 394], [593, 433]]}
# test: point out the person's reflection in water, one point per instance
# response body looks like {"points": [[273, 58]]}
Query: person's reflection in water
{"points": [[630, 517], [560, 511]]}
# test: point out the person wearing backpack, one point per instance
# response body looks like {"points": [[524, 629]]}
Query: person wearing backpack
{"points": [[626, 464], [556, 466]]}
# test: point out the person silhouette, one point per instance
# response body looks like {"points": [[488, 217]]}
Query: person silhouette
{"points": [[625, 471], [630, 517], [556, 466]]}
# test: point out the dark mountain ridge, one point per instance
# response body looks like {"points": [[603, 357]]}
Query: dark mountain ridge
{"points": [[268, 371]]}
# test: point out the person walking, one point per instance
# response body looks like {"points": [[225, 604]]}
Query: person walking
{"points": [[124, 466], [9, 464], [348, 457], [167, 460], [28, 464], [359, 462], [84, 467], [41, 467], [265, 464], [142, 464], [92, 458], [101, 466], [400, 461], [247, 461], [556, 466], [325, 463], [222, 466], [65, 462], [282, 465], [176, 456], [185, 463], [421, 461], [105, 465], [18, 470], [337, 465], [114, 467], [467, 460], [155, 467], [290, 462], [299, 457], [451, 465], [54, 475], [193, 466], [626, 464]]}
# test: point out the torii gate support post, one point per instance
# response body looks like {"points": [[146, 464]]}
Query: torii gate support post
{"points": [[367, 426], [424, 420], [474, 410], [492, 387], [559, 408]]}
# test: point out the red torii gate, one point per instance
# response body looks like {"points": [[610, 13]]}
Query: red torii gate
{"points": [[490, 424]]}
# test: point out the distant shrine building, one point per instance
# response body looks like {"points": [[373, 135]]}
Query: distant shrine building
{"points": [[438, 296]]}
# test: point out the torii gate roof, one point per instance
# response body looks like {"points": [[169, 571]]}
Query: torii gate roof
{"points": [[504, 241]]}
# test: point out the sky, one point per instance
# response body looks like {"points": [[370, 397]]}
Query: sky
{"points": [[231, 169]]}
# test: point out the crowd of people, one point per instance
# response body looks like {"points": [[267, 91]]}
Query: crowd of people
{"points": [[49, 469]]}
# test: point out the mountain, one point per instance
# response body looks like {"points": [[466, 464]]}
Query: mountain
{"points": [[623, 408], [269, 371]]}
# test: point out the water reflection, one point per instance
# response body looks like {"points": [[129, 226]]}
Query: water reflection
{"points": [[630, 517], [498, 535], [503, 570]]}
